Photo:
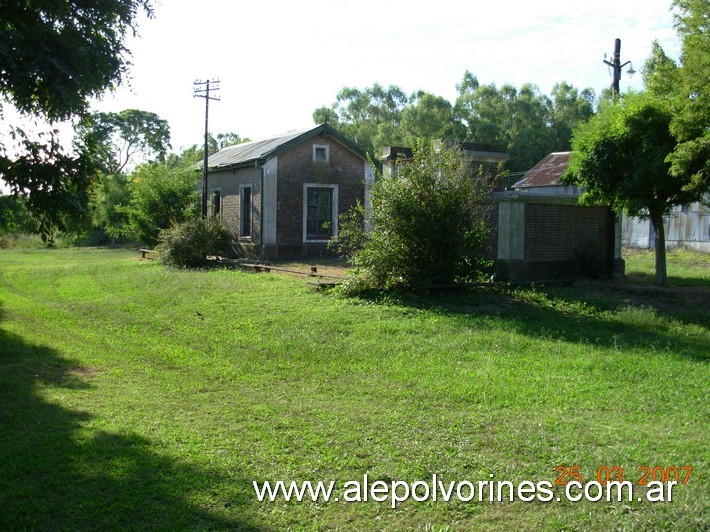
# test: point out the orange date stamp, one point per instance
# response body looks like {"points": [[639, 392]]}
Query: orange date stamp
{"points": [[605, 474]]}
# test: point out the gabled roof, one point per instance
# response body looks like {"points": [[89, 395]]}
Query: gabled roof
{"points": [[256, 152], [547, 172]]}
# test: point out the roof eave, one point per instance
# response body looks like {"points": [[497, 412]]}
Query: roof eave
{"points": [[251, 163]]}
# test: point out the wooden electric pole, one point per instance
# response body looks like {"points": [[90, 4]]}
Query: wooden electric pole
{"points": [[202, 89]]}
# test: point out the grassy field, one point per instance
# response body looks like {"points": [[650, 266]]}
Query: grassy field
{"points": [[135, 397]]}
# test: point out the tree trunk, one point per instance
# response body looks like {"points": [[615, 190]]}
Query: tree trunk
{"points": [[660, 244]]}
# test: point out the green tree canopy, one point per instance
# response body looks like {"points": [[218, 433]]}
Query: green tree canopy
{"points": [[691, 107], [229, 139], [684, 86], [195, 153], [620, 157], [659, 72], [54, 56], [160, 197], [528, 123], [428, 117], [370, 116], [122, 137], [569, 108], [110, 198]]}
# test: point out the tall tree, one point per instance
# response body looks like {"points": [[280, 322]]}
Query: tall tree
{"points": [[480, 108], [660, 73], [569, 108], [54, 56], [620, 157], [360, 113], [518, 119], [122, 138], [528, 123], [428, 117], [691, 117], [684, 86], [528, 134]]}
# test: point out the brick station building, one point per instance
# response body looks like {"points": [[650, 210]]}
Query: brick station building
{"points": [[282, 196]]}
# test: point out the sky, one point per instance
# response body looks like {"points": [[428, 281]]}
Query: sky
{"points": [[279, 60]]}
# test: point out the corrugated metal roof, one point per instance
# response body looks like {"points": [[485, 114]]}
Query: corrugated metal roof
{"points": [[242, 154], [547, 172], [255, 152]]}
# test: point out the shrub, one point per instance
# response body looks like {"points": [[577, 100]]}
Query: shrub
{"points": [[160, 197], [428, 225], [187, 245]]}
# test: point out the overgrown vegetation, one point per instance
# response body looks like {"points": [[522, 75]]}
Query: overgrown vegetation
{"points": [[136, 397], [187, 244], [427, 224], [159, 198], [57, 57]]}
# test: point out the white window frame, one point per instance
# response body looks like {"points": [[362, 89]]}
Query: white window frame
{"points": [[334, 221], [243, 186], [325, 147]]}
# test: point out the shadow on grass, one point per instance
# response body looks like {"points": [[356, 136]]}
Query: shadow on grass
{"points": [[56, 475], [642, 278], [605, 313]]}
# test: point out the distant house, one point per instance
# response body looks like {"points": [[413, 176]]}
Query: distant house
{"points": [[543, 232], [282, 196], [544, 177], [537, 229]]}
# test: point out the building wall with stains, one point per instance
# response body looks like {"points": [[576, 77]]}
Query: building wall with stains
{"points": [[686, 226]]}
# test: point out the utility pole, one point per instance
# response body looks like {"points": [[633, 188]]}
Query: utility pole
{"points": [[202, 89], [616, 66], [615, 262]]}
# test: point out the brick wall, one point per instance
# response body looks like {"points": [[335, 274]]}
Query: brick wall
{"points": [[549, 237], [296, 167], [561, 232], [229, 182]]}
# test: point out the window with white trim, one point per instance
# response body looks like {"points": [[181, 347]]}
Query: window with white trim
{"points": [[320, 212], [321, 153]]}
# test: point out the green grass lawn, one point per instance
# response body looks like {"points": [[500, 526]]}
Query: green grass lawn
{"points": [[135, 397]]}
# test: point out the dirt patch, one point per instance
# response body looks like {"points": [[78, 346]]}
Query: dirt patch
{"points": [[82, 371], [324, 266], [60, 374]]}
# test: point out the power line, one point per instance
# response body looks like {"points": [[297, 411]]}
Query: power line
{"points": [[202, 89]]}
